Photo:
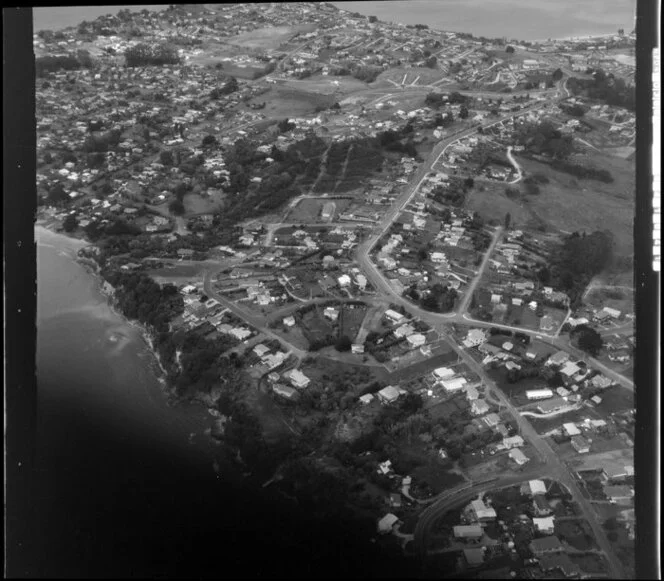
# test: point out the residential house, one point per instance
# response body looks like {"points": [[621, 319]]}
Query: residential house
{"points": [[570, 369], [558, 358], [357, 348], [518, 456], [331, 313], [284, 391], [454, 384], [580, 444], [614, 472], [535, 487], [416, 339], [491, 420], [551, 405], [545, 545], [471, 393], [474, 557], [544, 525], [443, 373], [619, 493], [366, 398], [394, 316], [541, 506], [479, 407], [344, 280], [570, 429], [513, 442], [297, 378], [473, 532], [389, 394], [289, 321], [480, 512], [387, 523], [539, 393]]}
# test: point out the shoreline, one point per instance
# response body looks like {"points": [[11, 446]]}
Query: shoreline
{"points": [[91, 267]]}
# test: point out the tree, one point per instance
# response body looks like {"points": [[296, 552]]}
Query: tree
{"points": [[176, 207], [209, 140], [57, 193], [469, 182], [70, 223], [509, 49], [431, 62], [589, 340], [463, 112], [166, 157], [344, 343], [508, 220], [557, 75]]}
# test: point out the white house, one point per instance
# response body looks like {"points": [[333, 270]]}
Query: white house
{"points": [[475, 337], [344, 280], [539, 393], [454, 384], [394, 316], [331, 313], [570, 429], [297, 378], [544, 525], [416, 339], [536, 487], [386, 524], [284, 391], [289, 321], [518, 456], [366, 398], [443, 373], [479, 407], [388, 394], [513, 442]]}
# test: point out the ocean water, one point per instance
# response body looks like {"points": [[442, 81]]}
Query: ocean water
{"points": [[518, 19], [124, 485], [58, 17]]}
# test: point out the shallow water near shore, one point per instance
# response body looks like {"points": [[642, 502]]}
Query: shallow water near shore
{"points": [[108, 442]]}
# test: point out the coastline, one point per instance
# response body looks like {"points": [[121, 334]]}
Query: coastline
{"points": [[105, 289]]}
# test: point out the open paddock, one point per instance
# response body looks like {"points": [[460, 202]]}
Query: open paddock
{"points": [[271, 37], [424, 367], [283, 101], [597, 205], [577, 533]]}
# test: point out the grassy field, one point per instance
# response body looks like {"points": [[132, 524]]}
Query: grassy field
{"points": [[351, 320], [576, 532], [490, 201], [437, 477], [309, 210], [597, 206], [283, 102], [195, 204], [615, 399], [271, 37], [423, 367]]}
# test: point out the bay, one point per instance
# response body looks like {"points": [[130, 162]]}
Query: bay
{"points": [[518, 19]]}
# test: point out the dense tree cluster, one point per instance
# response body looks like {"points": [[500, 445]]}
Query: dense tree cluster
{"points": [[588, 339], [606, 88], [583, 172], [51, 63], [144, 54], [545, 139], [580, 258]]}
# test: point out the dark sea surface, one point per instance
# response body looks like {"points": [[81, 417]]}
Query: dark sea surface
{"points": [[124, 482]]}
